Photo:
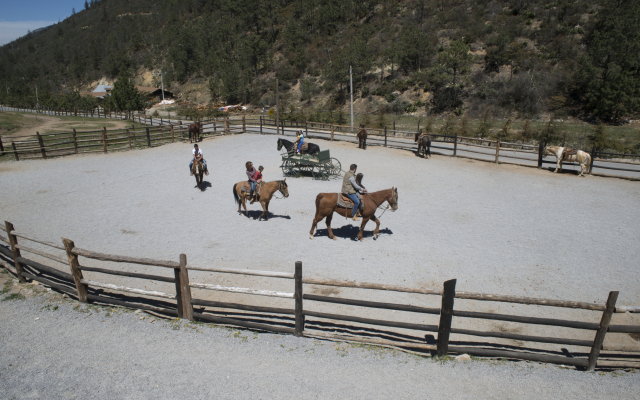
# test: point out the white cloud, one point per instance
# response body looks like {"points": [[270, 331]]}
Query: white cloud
{"points": [[11, 30]]}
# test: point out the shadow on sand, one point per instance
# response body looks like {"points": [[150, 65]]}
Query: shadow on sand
{"points": [[351, 231]]}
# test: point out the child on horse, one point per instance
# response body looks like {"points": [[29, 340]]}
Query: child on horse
{"points": [[197, 156], [299, 141], [258, 178]]}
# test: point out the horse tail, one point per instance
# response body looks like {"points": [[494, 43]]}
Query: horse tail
{"points": [[235, 194], [588, 163], [318, 198]]}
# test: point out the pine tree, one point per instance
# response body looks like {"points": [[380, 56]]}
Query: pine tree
{"points": [[609, 74], [125, 96]]}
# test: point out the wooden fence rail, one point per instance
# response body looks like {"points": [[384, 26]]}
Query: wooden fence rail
{"points": [[305, 319], [493, 150]]}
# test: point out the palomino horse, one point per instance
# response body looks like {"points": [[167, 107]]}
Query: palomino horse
{"points": [[311, 148], [194, 132], [362, 138], [583, 158], [327, 204], [424, 143], [266, 192], [198, 169]]}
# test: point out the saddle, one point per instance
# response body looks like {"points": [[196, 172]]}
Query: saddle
{"points": [[344, 201], [303, 148], [246, 188], [568, 153]]}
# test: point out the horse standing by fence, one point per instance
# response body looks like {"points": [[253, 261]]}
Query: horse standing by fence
{"points": [[198, 170], [195, 131], [565, 154], [362, 137], [266, 193], [424, 143], [311, 148], [327, 204]]}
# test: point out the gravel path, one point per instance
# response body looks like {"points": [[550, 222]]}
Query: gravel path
{"points": [[50, 349], [497, 229]]}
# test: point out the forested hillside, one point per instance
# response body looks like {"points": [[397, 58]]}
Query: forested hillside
{"points": [[472, 57]]}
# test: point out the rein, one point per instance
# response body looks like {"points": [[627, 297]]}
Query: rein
{"points": [[378, 205], [278, 190]]}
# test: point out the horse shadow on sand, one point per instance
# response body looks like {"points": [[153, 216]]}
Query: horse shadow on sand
{"points": [[351, 232], [255, 214], [205, 185]]}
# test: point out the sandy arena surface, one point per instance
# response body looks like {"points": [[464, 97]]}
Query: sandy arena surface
{"points": [[496, 228]]}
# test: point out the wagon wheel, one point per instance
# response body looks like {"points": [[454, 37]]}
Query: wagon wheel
{"points": [[289, 168], [334, 167], [321, 171]]}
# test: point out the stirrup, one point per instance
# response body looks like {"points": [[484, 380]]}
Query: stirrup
{"points": [[355, 218]]}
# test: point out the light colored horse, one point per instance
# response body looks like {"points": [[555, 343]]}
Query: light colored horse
{"points": [[582, 157]]}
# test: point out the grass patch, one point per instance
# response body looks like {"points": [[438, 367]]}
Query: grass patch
{"points": [[14, 296]]}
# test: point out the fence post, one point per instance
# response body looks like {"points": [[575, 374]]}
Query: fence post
{"points": [[260, 124], [332, 132], [75, 270], [160, 121], [297, 294], [446, 314], [540, 154], [104, 138], [15, 151], [128, 137], [385, 136], [98, 113], [306, 129], [455, 145], [215, 127], [1, 147], [41, 143], [13, 241], [497, 150], [244, 125], [183, 290], [593, 155], [602, 330], [75, 142], [148, 137], [226, 125], [173, 139]]}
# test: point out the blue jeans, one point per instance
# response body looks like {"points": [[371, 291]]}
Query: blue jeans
{"points": [[299, 146], [191, 165], [253, 188], [356, 203]]}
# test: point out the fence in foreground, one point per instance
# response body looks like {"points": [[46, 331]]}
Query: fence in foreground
{"points": [[301, 320]]}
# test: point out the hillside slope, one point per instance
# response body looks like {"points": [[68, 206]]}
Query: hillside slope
{"points": [[503, 56]]}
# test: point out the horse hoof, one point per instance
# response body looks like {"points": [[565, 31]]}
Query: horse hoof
{"points": [[361, 239], [310, 236], [334, 238], [375, 237]]}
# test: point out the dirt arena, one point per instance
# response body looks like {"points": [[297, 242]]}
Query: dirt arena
{"points": [[496, 228]]}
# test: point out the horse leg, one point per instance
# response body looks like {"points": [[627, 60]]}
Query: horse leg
{"points": [[316, 219], [377, 230], [558, 165], [364, 222], [244, 204], [328, 222], [265, 210]]}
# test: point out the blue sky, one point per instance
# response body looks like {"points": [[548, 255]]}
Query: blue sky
{"points": [[18, 17]]}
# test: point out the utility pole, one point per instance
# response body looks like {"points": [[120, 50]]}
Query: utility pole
{"points": [[351, 88], [277, 108], [164, 106]]}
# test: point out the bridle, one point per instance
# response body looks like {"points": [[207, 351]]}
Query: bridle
{"points": [[394, 206], [280, 183]]}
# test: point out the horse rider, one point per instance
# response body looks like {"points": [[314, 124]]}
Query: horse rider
{"points": [[197, 156], [299, 141], [352, 190], [258, 178], [251, 174]]}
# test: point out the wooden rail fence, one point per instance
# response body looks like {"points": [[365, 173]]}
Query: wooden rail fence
{"points": [[301, 320], [458, 146]]}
